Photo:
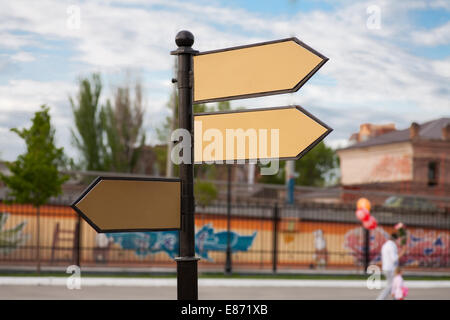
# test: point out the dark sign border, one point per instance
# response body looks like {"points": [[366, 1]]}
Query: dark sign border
{"points": [[265, 93], [299, 108], [100, 178]]}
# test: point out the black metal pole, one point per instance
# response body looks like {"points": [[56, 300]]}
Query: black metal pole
{"points": [[366, 249], [38, 240], [228, 263], [78, 242], [275, 239], [187, 277]]}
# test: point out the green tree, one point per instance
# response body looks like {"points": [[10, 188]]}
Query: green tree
{"points": [[223, 106], [316, 166], [314, 169], [164, 131], [205, 193], [34, 176], [88, 138], [124, 130], [171, 123]]}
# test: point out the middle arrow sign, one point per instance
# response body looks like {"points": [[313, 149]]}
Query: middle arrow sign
{"points": [[256, 134]]}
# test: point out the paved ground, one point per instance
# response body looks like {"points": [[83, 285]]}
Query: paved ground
{"points": [[207, 292]]}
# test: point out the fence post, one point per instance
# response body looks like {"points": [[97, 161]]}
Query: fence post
{"points": [[38, 253], [228, 263], [366, 249], [275, 238], [77, 240]]}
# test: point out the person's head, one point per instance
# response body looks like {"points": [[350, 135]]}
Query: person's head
{"points": [[394, 236], [398, 270]]}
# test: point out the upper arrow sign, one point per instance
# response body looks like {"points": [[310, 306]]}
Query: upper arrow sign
{"points": [[254, 70], [117, 204], [256, 134]]}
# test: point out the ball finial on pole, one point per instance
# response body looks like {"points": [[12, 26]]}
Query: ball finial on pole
{"points": [[184, 38]]}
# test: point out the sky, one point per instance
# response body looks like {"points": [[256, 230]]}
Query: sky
{"points": [[389, 60]]}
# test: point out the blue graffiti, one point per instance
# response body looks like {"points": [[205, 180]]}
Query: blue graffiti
{"points": [[206, 240], [144, 243]]}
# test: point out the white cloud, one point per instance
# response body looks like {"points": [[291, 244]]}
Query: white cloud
{"points": [[439, 4], [434, 37], [14, 41], [28, 95], [442, 67], [372, 76], [23, 56]]}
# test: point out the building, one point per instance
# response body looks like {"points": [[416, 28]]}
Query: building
{"points": [[369, 130], [415, 160]]}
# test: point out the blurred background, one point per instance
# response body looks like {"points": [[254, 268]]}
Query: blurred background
{"points": [[101, 70]]}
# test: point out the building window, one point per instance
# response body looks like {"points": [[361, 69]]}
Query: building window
{"points": [[432, 173]]}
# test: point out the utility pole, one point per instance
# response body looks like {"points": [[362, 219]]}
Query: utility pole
{"points": [[366, 249], [290, 181], [187, 276], [228, 264]]}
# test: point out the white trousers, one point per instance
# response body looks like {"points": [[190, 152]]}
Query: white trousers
{"points": [[387, 290]]}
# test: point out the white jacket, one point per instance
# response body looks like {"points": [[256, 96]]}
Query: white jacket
{"points": [[389, 256]]}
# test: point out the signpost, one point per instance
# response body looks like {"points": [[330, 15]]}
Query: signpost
{"points": [[187, 277], [131, 204], [255, 70], [298, 131], [139, 204]]}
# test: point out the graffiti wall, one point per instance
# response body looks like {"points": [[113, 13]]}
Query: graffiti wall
{"points": [[206, 240], [300, 243], [11, 237]]}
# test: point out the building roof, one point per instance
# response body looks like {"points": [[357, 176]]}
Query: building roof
{"points": [[431, 130]]}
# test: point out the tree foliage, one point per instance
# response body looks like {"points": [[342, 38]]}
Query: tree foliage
{"points": [[164, 131], [34, 175], [123, 126], [314, 169], [205, 193], [88, 138], [109, 137]]}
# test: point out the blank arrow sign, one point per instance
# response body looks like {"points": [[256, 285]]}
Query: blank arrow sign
{"points": [[254, 70], [242, 134], [117, 204]]}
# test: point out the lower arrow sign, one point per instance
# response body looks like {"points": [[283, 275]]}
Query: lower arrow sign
{"points": [[119, 204]]}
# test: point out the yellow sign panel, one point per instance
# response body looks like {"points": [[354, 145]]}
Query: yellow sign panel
{"points": [[272, 133], [131, 204], [255, 70]]}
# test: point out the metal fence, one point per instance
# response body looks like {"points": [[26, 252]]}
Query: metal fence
{"points": [[315, 236]]}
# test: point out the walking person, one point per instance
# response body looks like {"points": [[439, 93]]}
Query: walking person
{"points": [[389, 259]]}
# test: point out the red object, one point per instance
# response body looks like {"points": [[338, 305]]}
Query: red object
{"points": [[371, 223], [374, 224], [362, 215]]}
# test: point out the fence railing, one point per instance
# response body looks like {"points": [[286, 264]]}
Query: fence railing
{"points": [[262, 237]]}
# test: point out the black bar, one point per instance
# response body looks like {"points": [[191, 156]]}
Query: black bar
{"points": [[366, 249], [275, 239], [38, 252], [187, 278], [228, 263], [77, 242]]}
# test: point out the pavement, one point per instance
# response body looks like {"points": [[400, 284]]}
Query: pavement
{"points": [[13, 288]]}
